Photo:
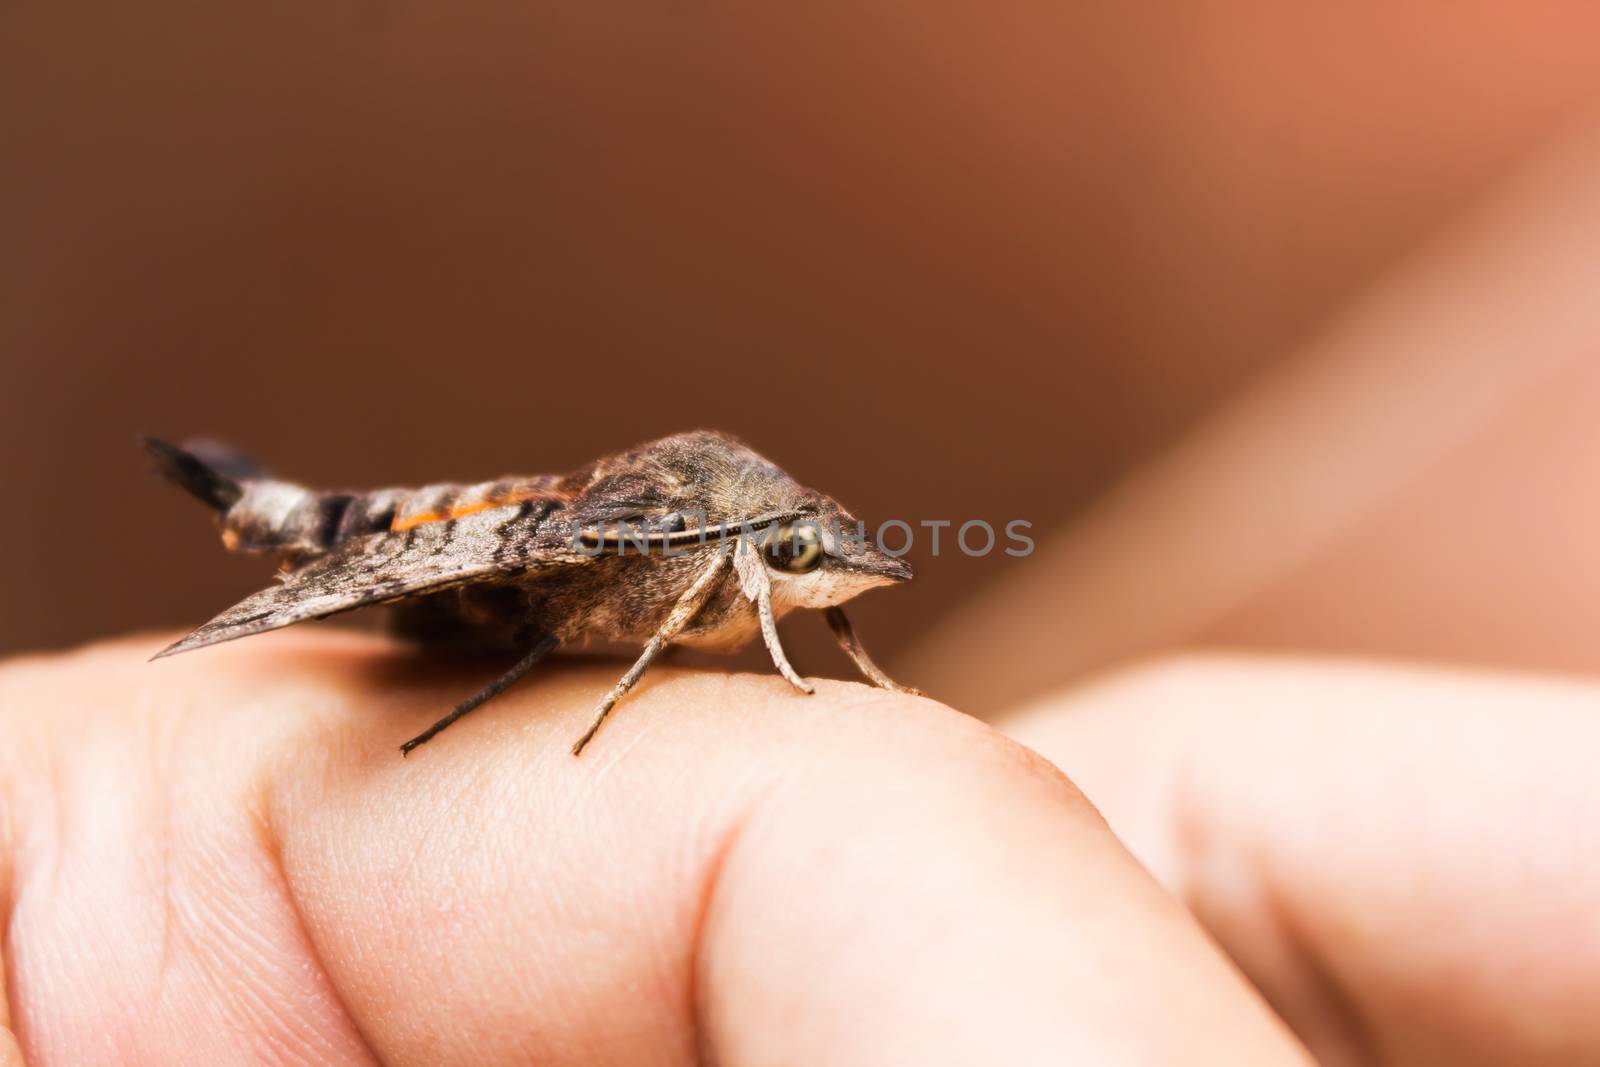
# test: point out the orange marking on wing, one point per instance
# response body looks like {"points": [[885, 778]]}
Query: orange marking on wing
{"points": [[400, 525]]}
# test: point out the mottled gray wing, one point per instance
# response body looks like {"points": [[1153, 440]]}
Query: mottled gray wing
{"points": [[495, 544]]}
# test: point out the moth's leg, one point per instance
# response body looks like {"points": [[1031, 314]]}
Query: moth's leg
{"points": [[488, 692], [839, 623], [689, 603], [619, 691], [757, 587], [769, 634]]}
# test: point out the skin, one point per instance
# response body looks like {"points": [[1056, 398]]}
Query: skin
{"points": [[1406, 861], [220, 858]]}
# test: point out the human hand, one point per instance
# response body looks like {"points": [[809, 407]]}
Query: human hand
{"points": [[222, 858], [1405, 861]]}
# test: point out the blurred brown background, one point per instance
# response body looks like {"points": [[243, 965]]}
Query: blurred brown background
{"points": [[940, 261]]}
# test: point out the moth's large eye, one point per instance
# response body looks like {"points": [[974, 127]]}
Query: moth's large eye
{"points": [[796, 549]]}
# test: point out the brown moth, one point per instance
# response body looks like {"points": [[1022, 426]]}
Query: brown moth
{"points": [[693, 539]]}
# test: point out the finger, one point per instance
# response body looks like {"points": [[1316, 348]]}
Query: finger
{"points": [[1406, 861], [10, 1053], [731, 871]]}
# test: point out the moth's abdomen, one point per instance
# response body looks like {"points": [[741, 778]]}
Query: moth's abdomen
{"points": [[261, 514], [273, 516], [446, 504], [282, 517]]}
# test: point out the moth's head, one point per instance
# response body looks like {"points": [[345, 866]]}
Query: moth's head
{"points": [[824, 557], [817, 553]]}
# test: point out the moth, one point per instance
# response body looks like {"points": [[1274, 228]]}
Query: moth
{"points": [[693, 540]]}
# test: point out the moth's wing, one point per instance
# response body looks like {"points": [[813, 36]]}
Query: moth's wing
{"points": [[487, 546]]}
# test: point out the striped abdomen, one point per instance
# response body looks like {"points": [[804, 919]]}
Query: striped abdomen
{"points": [[261, 514]]}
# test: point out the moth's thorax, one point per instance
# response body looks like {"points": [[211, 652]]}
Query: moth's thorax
{"points": [[625, 598], [724, 631]]}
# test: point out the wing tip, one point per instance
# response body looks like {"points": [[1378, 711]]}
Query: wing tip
{"points": [[184, 644]]}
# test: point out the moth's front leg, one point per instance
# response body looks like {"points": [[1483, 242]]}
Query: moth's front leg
{"points": [[839, 623], [757, 586], [769, 634]]}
